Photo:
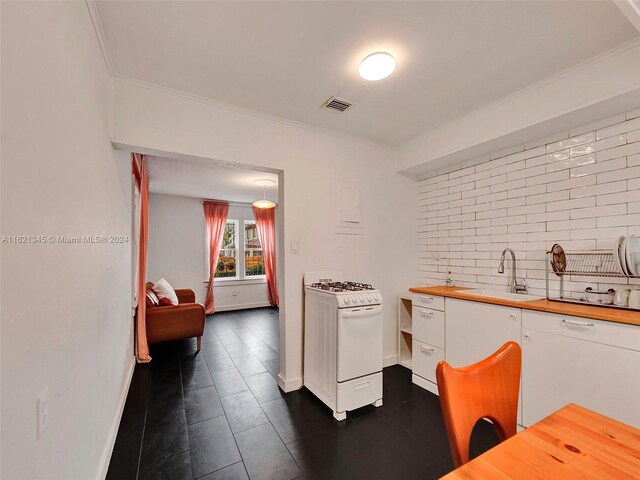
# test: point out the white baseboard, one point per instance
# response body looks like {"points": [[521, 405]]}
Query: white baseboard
{"points": [[424, 383], [113, 432], [242, 306], [289, 385], [390, 360]]}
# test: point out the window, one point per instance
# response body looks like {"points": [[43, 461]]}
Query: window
{"points": [[240, 255], [228, 259], [253, 259]]}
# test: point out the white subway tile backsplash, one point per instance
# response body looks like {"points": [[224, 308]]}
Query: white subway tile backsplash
{"points": [[571, 224], [548, 197], [579, 188], [524, 210], [572, 183], [571, 162], [619, 220], [506, 151], [600, 124], [463, 172], [571, 142], [622, 127], [617, 175], [549, 158], [526, 172], [534, 152], [601, 189], [576, 203], [621, 151], [599, 167], [548, 217], [523, 192], [633, 136], [548, 178], [595, 212], [492, 165], [633, 160], [617, 198], [610, 142]]}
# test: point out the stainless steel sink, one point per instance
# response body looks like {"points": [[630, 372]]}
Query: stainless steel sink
{"points": [[513, 297]]}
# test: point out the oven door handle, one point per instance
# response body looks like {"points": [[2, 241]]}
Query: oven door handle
{"points": [[361, 311]]}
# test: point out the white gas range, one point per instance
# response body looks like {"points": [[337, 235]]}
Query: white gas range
{"points": [[342, 342]]}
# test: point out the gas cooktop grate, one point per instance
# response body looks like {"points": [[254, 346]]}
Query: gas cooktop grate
{"points": [[342, 286]]}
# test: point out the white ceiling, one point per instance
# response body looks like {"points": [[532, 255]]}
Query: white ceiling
{"points": [[287, 58], [215, 182]]}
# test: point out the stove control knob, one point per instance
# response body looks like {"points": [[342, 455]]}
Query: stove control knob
{"points": [[354, 299], [346, 300], [361, 298], [369, 298], [375, 297]]}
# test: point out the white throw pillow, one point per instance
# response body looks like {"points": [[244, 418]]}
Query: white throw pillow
{"points": [[164, 289]]}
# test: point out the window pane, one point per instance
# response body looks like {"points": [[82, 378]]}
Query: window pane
{"points": [[253, 262], [251, 239], [227, 263], [229, 238], [228, 258], [253, 259]]}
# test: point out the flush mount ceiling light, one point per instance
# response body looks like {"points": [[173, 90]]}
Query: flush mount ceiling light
{"points": [[264, 203], [377, 66]]}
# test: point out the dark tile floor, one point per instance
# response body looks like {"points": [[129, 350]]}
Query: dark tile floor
{"points": [[219, 414]]}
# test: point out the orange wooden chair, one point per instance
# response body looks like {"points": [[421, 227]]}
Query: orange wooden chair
{"points": [[487, 389]]}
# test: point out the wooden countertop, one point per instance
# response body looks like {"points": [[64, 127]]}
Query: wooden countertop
{"points": [[572, 443], [585, 311]]}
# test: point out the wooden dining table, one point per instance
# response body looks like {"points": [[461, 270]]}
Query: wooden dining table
{"points": [[572, 443]]}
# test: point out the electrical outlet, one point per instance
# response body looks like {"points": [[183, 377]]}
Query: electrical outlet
{"points": [[42, 413]]}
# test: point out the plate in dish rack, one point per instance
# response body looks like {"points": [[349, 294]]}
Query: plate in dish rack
{"points": [[623, 255], [616, 254], [632, 254]]}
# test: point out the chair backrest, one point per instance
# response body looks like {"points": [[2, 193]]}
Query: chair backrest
{"points": [[487, 389]]}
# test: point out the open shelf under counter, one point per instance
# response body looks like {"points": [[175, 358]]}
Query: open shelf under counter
{"points": [[405, 331]]}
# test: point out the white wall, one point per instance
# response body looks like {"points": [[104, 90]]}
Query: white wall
{"points": [[66, 313], [151, 119], [177, 252], [578, 188]]}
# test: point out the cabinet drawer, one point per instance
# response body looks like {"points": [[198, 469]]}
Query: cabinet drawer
{"points": [[428, 301], [428, 326], [358, 392], [425, 359], [607, 333]]}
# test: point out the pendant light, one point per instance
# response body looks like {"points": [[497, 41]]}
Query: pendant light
{"points": [[264, 203]]}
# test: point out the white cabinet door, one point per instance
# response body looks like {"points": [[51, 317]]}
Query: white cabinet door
{"points": [[475, 330], [558, 370]]}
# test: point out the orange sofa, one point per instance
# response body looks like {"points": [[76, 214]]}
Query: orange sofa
{"points": [[175, 322]]}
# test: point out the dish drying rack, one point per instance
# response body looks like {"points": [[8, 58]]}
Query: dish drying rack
{"points": [[594, 263]]}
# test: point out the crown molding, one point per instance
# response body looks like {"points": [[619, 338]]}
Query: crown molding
{"points": [[97, 27], [246, 111], [526, 91]]}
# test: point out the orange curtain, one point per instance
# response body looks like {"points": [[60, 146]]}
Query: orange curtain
{"points": [[142, 347], [266, 226], [215, 217]]}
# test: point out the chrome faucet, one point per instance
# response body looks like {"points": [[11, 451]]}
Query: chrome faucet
{"points": [[514, 285]]}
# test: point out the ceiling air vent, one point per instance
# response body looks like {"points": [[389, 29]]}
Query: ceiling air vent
{"points": [[339, 104]]}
